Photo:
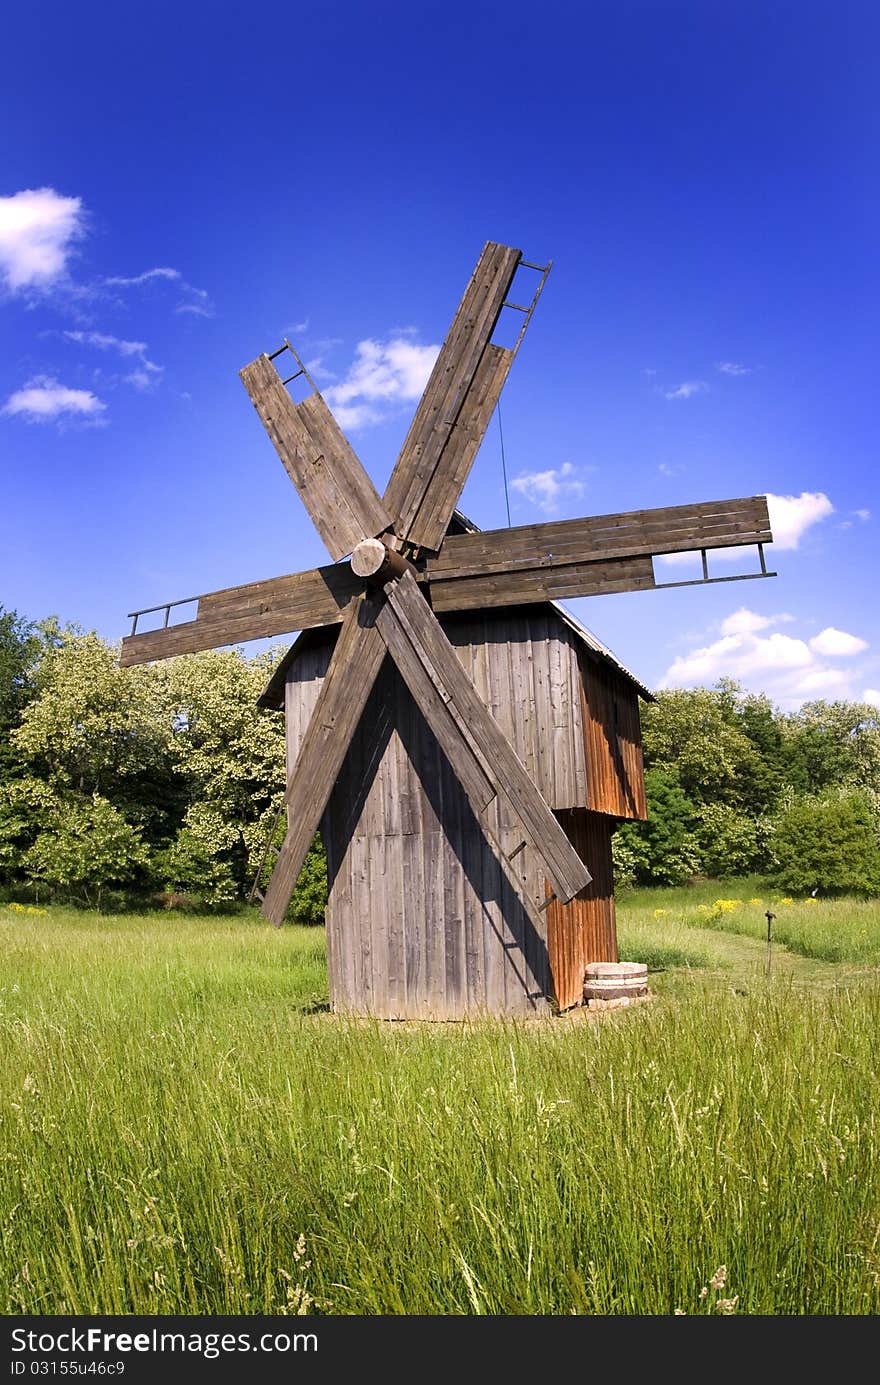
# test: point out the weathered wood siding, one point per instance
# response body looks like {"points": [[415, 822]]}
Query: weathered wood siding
{"points": [[613, 740], [584, 930], [423, 918]]}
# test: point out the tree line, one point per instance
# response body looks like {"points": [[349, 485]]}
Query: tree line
{"points": [[164, 782]]}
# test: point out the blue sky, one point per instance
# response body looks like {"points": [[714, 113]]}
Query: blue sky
{"points": [[180, 192]]}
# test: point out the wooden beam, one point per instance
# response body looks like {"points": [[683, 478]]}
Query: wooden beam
{"points": [[319, 460], [525, 586], [676, 529], [430, 703], [464, 384], [352, 671], [258, 610], [504, 769]]}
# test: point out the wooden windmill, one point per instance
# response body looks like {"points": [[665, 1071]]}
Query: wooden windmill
{"points": [[465, 746]]}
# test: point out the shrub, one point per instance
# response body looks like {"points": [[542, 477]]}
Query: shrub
{"points": [[828, 843], [310, 896], [189, 867]]}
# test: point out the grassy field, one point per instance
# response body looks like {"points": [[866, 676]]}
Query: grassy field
{"points": [[185, 1129]]}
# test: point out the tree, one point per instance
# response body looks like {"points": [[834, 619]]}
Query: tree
{"points": [[694, 733], [831, 843], [20, 647], [86, 847], [309, 900], [663, 850], [832, 744], [96, 728], [228, 754], [190, 867], [730, 842]]}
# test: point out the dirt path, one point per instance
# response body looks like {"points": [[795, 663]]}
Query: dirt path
{"points": [[740, 961]]}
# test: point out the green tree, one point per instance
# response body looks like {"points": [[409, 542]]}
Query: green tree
{"points": [[663, 850], [832, 744], [86, 847], [828, 843], [694, 733], [94, 727], [310, 896], [190, 867], [20, 647], [228, 753], [730, 842]]}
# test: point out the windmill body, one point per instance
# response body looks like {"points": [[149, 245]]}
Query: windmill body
{"points": [[466, 747]]}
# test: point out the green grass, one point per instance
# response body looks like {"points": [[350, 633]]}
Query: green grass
{"points": [[179, 1111], [838, 930]]}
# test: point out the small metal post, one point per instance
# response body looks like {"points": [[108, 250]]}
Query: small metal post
{"points": [[769, 917]]}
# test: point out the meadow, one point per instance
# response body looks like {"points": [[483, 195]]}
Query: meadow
{"points": [[186, 1129]]}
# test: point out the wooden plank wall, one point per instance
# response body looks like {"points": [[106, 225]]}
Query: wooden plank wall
{"points": [[423, 921], [613, 739], [584, 930]]}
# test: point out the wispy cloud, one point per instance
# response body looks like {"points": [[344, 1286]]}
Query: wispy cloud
{"points": [[547, 489], [43, 400], [666, 470], [687, 389], [733, 368], [146, 373], [38, 230], [194, 300], [790, 669], [863, 515], [382, 375]]}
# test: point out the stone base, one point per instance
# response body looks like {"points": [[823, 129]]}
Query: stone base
{"points": [[615, 982]]}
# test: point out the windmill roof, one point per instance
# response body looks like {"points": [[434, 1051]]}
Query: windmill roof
{"points": [[272, 696]]}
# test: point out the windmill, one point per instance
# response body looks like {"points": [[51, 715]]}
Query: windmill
{"points": [[385, 619]]}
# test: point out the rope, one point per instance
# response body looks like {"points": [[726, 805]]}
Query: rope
{"points": [[504, 466]]}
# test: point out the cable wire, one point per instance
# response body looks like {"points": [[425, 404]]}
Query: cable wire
{"points": [[504, 466]]}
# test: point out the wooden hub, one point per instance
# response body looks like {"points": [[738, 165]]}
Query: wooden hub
{"points": [[377, 563]]}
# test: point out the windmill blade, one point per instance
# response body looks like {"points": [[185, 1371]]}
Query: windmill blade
{"points": [[352, 671], [590, 556], [429, 700], [255, 611], [500, 764], [318, 458], [455, 409]]}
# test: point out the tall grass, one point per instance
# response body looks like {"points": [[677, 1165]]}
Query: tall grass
{"points": [[839, 930], [185, 1131]]}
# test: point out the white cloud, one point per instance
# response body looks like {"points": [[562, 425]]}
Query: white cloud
{"points": [[43, 399], [104, 342], [382, 374], [872, 697], [733, 368], [744, 622], [687, 389], [666, 470], [161, 272], [862, 514], [792, 515], [546, 488], [837, 643], [791, 670], [195, 301], [146, 373], [38, 228]]}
